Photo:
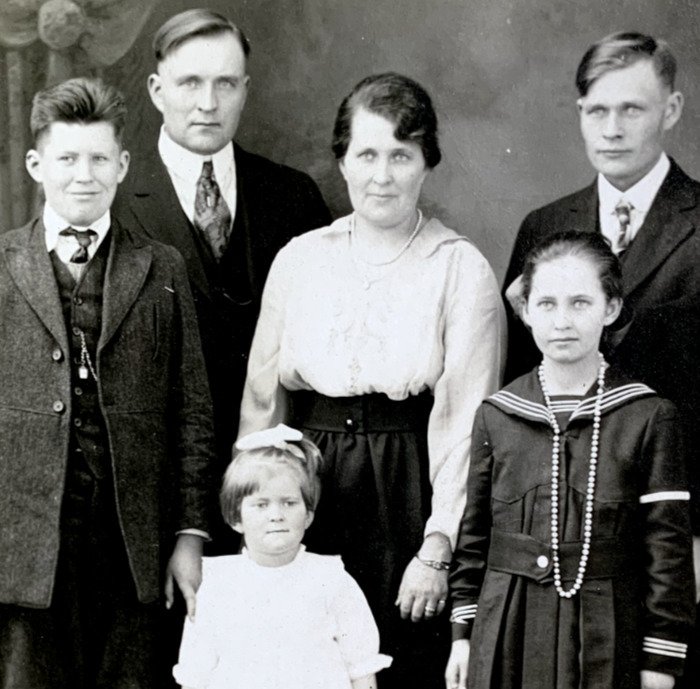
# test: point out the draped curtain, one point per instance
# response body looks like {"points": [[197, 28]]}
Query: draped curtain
{"points": [[43, 42]]}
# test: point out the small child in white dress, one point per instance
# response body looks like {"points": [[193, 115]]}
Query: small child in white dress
{"points": [[275, 615]]}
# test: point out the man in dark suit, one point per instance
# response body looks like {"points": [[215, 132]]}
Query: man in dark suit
{"points": [[650, 211], [227, 211], [106, 439]]}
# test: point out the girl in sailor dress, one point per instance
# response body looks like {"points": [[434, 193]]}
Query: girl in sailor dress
{"points": [[275, 615], [573, 567]]}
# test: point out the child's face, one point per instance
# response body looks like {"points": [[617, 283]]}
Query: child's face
{"points": [[79, 166], [567, 309], [273, 520]]}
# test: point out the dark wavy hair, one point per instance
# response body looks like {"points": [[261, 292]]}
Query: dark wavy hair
{"points": [[590, 245], [400, 100]]}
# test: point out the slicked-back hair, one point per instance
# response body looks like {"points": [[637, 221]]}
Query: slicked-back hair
{"points": [[192, 24], [400, 100], [592, 246], [620, 50], [78, 101], [250, 468]]}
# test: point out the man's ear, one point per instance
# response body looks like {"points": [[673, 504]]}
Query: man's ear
{"points": [[33, 163], [155, 86], [673, 110], [309, 518]]}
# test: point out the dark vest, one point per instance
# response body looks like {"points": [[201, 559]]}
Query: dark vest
{"points": [[82, 310]]}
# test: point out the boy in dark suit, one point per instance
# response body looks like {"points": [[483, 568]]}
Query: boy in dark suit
{"points": [[106, 439]]}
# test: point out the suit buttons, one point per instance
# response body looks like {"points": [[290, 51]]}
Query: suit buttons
{"points": [[57, 354], [76, 331], [543, 562], [78, 301], [77, 423], [350, 424], [58, 406]]}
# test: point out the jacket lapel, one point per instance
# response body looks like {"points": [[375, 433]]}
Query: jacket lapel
{"points": [[128, 265], [584, 210], [29, 265], [152, 195], [664, 228]]}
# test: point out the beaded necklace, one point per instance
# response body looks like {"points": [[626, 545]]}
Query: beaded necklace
{"points": [[590, 489]]}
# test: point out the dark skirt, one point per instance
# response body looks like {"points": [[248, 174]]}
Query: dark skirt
{"points": [[374, 504]]}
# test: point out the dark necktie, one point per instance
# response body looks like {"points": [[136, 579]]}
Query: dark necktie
{"points": [[84, 239], [211, 214], [623, 210]]}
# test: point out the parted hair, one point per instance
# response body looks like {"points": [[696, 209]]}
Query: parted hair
{"points": [[620, 50], [250, 468], [79, 101], [399, 99], [191, 24], [589, 245]]}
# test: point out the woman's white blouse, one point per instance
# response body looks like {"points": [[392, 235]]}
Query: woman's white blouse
{"points": [[433, 319]]}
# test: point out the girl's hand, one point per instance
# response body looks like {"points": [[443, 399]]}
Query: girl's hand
{"points": [[423, 590], [456, 670], [657, 680]]}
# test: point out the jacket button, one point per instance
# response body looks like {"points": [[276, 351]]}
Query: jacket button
{"points": [[57, 354], [542, 561], [58, 406], [78, 301], [77, 423]]}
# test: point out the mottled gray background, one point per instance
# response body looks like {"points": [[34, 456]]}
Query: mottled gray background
{"points": [[500, 73]]}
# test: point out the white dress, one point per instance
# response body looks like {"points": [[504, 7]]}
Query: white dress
{"points": [[305, 625], [432, 320]]}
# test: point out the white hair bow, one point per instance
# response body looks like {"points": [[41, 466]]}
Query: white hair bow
{"points": [[280, 437]]}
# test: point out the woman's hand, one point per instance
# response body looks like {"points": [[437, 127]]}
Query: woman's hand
{"points": [[423, 590], [657, 680], [456, 670]]}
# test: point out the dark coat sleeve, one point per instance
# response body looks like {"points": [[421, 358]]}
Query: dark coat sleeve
{"points": [[522, 354], [470, 556], [190, 414], [665, 519]]}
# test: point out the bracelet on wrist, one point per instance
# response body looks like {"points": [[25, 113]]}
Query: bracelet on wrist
{"points": [[440, 565]]}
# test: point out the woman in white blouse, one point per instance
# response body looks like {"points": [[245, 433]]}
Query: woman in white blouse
{"points": [[379, 336]]}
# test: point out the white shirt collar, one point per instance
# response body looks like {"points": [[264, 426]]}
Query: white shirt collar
{"points": [[188, 165], [54, 223], [641, 195]]}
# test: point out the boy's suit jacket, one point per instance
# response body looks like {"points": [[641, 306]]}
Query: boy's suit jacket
{"points": [[274, 204], [658, 343], [153, 396]]}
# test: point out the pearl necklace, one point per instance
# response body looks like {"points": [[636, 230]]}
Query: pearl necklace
{"points": [[402, 250], [590, 490]]}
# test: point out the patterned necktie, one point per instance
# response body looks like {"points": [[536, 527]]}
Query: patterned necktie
{"points": [[211, 214], [623, 210], [84, 239]]}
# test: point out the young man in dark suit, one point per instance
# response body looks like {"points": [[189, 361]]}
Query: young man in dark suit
{"points": [[227, 211], [650, 211], [106, 439]]}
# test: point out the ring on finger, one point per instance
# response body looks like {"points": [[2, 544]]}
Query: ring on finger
{"points": [[430, 611]]}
